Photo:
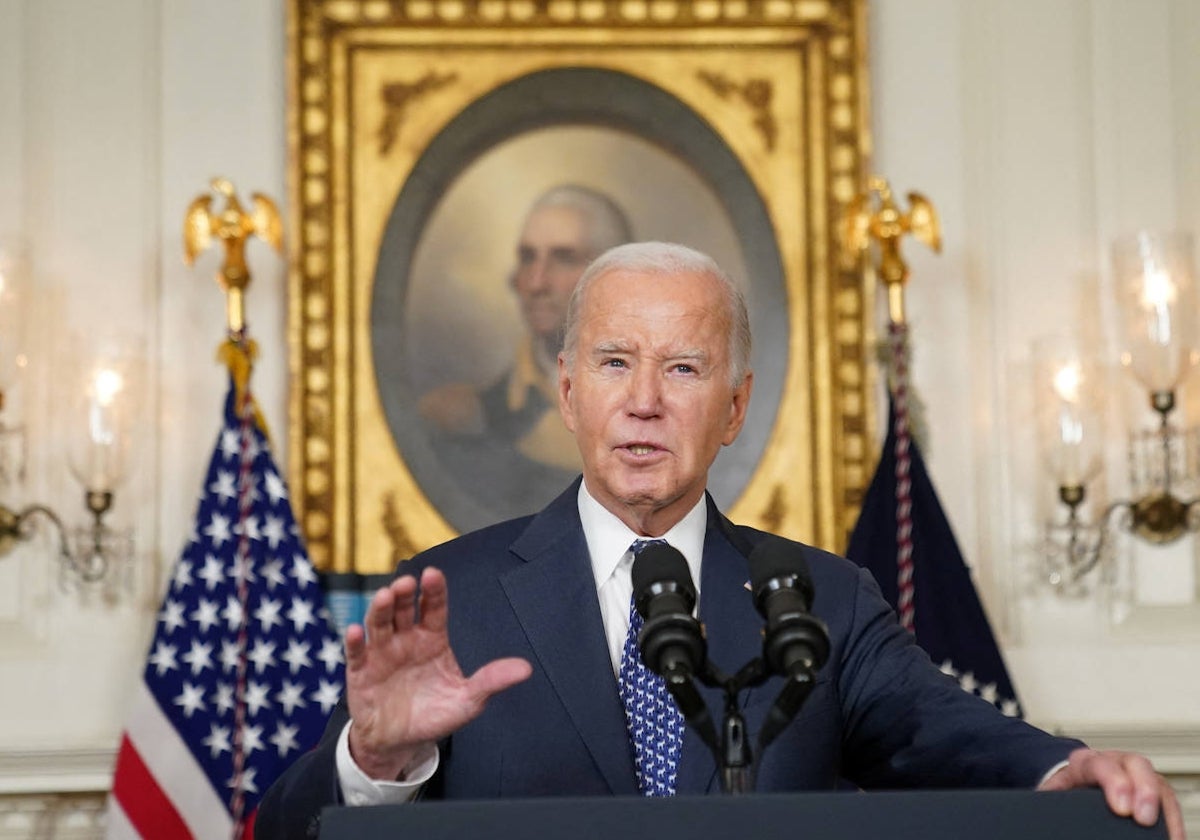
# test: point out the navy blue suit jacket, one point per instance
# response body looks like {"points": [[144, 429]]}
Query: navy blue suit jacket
{"points": [[881, 714]]}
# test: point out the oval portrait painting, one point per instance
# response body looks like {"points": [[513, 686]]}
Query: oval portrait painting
{"points": [[486, 242]]}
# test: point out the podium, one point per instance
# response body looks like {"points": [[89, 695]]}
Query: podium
{"points": [[923, 815]]}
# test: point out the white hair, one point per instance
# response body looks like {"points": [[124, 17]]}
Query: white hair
{"points": [[605, 222], [665, 259]]}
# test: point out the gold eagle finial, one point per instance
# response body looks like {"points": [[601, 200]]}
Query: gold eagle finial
{"points": [[887, 225], [232, 226]]}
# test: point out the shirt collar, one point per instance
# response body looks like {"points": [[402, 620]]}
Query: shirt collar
{"points": [[608, 538], [527, 373]]}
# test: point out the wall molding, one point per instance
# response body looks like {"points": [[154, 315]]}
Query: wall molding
{"points": [[1173, 749], [55, 771]]}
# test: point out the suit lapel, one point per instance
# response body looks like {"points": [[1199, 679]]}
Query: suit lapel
{"points": [[553, 594], [734, 632]]}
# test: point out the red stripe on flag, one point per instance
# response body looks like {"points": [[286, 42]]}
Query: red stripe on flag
{"points": [[149, 809]]}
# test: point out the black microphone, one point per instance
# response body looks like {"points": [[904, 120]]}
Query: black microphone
{"points": [[794, 641], [671, 640]]}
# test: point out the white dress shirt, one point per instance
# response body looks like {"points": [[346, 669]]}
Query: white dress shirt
{"points": [[608, 541]]}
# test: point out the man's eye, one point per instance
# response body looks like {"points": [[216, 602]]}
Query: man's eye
{"points": [[568, 259], [615, 363], [684, 368]]}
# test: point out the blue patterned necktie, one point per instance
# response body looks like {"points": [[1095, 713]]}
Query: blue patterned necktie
{"points": [[651, 716]]}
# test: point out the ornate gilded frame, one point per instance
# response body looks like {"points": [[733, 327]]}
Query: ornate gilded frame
{"points": [[782, 83]]}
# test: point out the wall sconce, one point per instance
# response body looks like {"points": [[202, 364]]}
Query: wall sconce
{"points": [[97, 447], [1154, 280]]}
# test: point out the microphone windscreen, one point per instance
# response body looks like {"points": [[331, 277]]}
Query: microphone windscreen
{"points": [[660, 562], [774, 558]]}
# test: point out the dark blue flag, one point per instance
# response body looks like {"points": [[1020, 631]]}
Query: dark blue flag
{"points": [[947, 617]]}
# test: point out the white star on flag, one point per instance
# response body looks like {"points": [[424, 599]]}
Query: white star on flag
{"points": [[300, 614], [217, 740], [213, 573], [274, 532], [224, 486], [205, 614], [284, 738], [218, 530], [172, 616], [199, 656], [297, 656], [273, 574], [275, 488]]}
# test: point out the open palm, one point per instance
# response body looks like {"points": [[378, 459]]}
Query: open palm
{"points": [[404, 687]]}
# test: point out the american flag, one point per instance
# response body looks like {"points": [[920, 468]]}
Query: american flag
{"points": [[244, 668]]}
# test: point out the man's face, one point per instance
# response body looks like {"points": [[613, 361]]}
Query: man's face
{"points": [[551, 256], [649, 396]]}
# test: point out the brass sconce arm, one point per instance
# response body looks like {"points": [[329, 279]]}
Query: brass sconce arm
{"points": [[17, 526]]}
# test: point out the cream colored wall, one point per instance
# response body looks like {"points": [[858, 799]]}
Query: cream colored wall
{"points": [[1038, 128]]}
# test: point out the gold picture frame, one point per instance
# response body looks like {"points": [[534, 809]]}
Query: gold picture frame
{"points": [[392, 104]]}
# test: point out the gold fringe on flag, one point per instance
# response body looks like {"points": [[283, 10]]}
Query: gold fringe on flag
{"points": [[238, 355]]}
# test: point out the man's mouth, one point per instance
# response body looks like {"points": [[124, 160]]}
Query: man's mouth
{"points": [[641, 448]]}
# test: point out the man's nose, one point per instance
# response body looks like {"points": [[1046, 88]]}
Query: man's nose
{"points": [[645, 391], [537, 272]]}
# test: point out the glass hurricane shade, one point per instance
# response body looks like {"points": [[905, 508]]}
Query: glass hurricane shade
{"points": [[1154, 278]]}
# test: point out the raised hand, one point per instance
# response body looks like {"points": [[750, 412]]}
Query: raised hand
{"points": [[404, 687]]}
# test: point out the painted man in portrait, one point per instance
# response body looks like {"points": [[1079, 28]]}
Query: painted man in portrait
{"points": [[510, 430]]}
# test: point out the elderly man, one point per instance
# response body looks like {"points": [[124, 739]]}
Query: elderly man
{"points": [[653, 380]]}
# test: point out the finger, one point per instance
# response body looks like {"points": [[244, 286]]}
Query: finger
{"points": [[1107, 771], [496, 676], [434, 600], [1172, 813], [1147, 788], [377, 622], [356, 647], [404, 590]]}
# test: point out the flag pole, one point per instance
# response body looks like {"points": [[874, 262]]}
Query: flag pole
{"points": [[233, 226], [874, 217]]}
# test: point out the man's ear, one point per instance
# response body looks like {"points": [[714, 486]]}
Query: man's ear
{"points": [[564, 394], [737, 408]]}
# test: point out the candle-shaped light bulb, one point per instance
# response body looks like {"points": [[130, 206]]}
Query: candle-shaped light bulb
{"points": [[98, 453], [1158, 290], [1158, 298], [1068, 408], [1067, 380], [107, 383], [1067, 384]]}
